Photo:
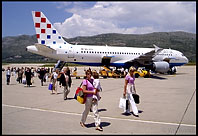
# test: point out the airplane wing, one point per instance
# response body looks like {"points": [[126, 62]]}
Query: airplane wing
{"points": [[45, 49], [147, 57]]}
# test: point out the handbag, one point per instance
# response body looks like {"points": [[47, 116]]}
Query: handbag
{"points": [[79, 95], [50, 87], [136, 98], [17, 79]]}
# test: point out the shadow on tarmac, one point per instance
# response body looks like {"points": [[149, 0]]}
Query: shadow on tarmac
{"points": [[99, 110], [131, 113], [29, 86], [70, 98], [102, 124], [158, 77]]}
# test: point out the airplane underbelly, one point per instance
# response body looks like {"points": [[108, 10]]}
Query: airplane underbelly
{"points": [[176, 62]]}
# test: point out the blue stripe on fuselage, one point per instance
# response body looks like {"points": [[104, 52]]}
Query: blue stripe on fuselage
{"points": [[119, 64]]}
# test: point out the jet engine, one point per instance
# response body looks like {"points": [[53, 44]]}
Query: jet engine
{"points": [[161, 67]]}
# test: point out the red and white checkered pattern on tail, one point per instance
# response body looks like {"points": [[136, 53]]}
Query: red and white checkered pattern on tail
{"points": [[45, 32]]}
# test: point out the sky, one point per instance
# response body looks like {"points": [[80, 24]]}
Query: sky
{"points": [[72, 19]]}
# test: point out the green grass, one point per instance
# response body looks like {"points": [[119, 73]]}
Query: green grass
{"points": [[190, 64]]}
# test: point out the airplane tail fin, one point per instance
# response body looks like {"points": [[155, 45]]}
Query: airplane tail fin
{"points": [[45, 32]]}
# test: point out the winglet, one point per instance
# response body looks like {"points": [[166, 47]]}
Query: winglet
{"points": [[157, 49]]}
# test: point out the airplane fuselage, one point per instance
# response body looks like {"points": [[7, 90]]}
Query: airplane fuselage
{"points": [[92, 55]]}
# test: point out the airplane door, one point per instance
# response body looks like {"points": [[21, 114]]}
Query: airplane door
{"points": [[70, 52], [106, 61]]}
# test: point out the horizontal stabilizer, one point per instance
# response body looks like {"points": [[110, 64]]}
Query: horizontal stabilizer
{"points": [[45, 49]]}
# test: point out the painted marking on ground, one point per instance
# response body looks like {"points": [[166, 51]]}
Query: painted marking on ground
{"points": [[105, 117]]}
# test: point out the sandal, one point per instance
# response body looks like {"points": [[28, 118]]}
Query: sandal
{"points": [[82, 124], [99, 128]]}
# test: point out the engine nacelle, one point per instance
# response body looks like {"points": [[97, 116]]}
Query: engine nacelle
{"points": [[161, 67]]}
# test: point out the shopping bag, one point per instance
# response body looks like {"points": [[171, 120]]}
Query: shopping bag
{"points": [[24, 81], [80, 96], [136, 98], [32, 80], [50, 87], [122, 103]]}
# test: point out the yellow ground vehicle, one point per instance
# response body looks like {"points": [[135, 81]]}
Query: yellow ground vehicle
{"points": [[115, 74], [74, 74], [106, 72], [142, 73], [103, 73]]}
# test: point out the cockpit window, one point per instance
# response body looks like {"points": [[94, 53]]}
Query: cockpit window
{"points": [[182, 54]]}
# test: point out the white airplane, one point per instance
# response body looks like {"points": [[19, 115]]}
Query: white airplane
{"points": [[51, 44]]}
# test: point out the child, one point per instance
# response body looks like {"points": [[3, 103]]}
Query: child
{"points": [[96, 84]]}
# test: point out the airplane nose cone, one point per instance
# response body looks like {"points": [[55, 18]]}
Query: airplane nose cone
{"points": [[186, 60]]}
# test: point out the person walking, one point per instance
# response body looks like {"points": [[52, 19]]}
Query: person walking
{"points": [[129, 89], [64, 81], [69, 75], [89, 90], [20, 75], [41, 75], [54, 81], [28, 75], [8, 74], [97, 86]]}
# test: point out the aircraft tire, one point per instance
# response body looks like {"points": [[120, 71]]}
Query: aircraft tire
{"points": [[137, 75]]}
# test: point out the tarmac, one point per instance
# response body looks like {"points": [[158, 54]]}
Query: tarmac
{"points": [[167, 107]]}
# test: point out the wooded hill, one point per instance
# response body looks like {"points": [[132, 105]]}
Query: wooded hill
{"points": [[13, 48]]}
